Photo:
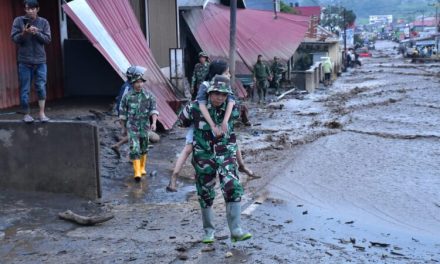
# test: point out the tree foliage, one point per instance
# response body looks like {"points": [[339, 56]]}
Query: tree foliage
{"points": [[285, 8], [333, 18]]}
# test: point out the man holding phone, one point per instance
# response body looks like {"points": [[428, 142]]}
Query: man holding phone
{"points": [[31, 33]]}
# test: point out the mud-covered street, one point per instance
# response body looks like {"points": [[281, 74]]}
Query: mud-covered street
{"points": [[349, 173]]}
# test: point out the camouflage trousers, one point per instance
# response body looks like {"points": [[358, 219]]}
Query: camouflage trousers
{"points": [[262, 89], [276, 83], [138, 146], [207, 168]]}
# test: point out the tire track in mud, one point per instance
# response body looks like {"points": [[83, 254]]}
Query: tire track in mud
{"points": [[341, 105], [392, 135]]}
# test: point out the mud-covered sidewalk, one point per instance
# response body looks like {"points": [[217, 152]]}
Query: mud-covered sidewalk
{"points": [[339, 183]]}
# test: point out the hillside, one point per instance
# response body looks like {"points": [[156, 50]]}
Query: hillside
{"points": [[407, 9]]}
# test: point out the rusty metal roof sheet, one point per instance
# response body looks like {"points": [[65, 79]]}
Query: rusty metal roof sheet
{"points": [[308, 10], [257, 33]]}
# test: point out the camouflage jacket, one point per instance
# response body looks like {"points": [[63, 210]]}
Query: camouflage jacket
{"points": [[277, 68], [136, 109], [206, 145], [200, 72], [261, 71]]}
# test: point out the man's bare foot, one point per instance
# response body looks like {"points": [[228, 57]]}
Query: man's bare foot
{"points": [[248, 172], [115, 148], [172, 185], [171, 188]]}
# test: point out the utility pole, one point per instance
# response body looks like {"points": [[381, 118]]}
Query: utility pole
{"points": [[232, 45], [345, 43]]}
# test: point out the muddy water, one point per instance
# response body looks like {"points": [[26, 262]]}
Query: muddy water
{"points": [[378, 179]]}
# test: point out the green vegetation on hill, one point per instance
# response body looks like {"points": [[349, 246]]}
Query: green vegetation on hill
{"points": [[406, 9]]}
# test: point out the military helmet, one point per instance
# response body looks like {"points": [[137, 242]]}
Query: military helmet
{"points": [[203, 54], [135, 73], [221, 84]]}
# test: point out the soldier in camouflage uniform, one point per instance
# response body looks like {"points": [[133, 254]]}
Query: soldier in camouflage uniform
{"points": [[200, 71], [277, 69], [214, 156], [137, 106], [261, 75]]}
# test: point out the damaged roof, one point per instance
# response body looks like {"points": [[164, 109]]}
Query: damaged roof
{"points": [[257, 33], [114, 31]]}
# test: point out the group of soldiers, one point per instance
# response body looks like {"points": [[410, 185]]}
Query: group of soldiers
{"points": [[213, 154], [262, 75]]}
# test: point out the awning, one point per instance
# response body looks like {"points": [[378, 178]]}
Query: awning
{"points": [[257, 33], [115, 32]]}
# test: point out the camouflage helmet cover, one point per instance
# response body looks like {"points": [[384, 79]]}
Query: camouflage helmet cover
{"points": [[220, 83], [135, 73], [203, 54]]}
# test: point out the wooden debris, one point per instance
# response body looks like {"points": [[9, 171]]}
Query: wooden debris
{"points": [[84, 220], [361, 248], [396, 253], [208, 249], [379, 244], [285, 93]]}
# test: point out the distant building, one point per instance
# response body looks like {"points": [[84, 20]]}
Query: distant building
{"points": [[381, 19]]}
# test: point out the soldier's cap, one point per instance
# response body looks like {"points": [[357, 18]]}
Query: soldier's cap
{"points": [[203, 54], [221, 84], [135, 73]]}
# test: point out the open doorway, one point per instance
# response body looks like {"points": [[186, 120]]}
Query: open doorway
{"points": [[87, 73]]}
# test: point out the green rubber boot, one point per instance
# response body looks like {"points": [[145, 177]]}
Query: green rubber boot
{"points": [[208, 226], [233, 211]]}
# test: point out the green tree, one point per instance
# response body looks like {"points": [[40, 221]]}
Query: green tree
{"points": [[285, 8], [333, 18]]}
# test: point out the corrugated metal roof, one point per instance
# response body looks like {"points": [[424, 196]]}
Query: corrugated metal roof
{"points": [[113, 30], [9, 91], [309, 10], [257, 33]]}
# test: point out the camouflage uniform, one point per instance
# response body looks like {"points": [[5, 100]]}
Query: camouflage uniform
{"points": [[199, 75], [211, 155], [136, 109], [261, 72], [277, 69]]}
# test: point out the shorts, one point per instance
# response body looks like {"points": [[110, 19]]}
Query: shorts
{"points": [[327, 75], [189, 139]]}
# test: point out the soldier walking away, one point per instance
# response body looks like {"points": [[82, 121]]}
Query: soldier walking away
{"points": [[136, 109], [31, 32], [277, 68], [261, 75], [200, 71], [212, 156]]}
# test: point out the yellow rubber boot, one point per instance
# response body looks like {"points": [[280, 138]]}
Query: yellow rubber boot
{"points": [[144, 159], [137, 170]]}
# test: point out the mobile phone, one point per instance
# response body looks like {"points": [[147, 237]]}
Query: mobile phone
{"points": [[26, 21]]}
